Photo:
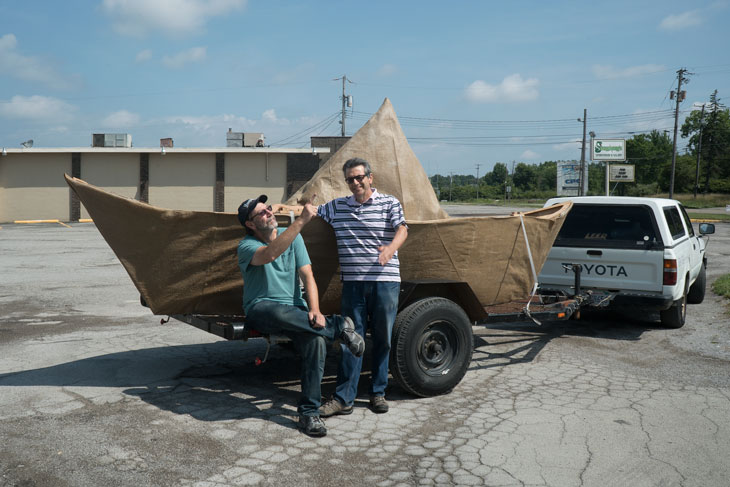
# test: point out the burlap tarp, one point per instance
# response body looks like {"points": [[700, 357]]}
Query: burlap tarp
{"points": [[185, 261], [396, 170]]}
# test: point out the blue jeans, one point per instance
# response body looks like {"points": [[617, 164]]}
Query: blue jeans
{"points": [[282, 319], [372, 305]]}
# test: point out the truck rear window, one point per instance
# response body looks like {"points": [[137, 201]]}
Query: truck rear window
{"points": [[612, 226]]}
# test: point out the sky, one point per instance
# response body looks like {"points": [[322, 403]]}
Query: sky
{"points": [[472, 82]]}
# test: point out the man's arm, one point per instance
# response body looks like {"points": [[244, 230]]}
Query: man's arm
{"points": [[387, 251], [269, 253], [316, 318]]}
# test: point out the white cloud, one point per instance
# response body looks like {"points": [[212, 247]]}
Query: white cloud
{"points": [[605, 71], [173, 17], [192, 55], [144, 55], [210, 130], [121, 119], [37, 108], [568, 146], [681, 21], [387, 70], [28, 68], [270, 116], [512, 89], [528, 154]]}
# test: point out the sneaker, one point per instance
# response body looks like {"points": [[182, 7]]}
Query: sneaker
{"points": [[312, 426], [332, 407], [378, 404], [354, 341]]}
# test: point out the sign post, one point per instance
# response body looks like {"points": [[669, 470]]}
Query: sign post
{"points": [[610, 150]]}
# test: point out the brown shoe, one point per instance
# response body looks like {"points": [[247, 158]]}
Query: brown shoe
{"points": [[378, 404], [332, 407]]}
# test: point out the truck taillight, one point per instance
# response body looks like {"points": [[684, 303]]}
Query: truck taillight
{"points": [[670, 272]]}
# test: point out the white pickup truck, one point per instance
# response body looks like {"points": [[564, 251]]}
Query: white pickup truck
{"points": [[639, 253]]}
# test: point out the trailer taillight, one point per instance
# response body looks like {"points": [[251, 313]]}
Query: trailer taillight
{"points": [[670, 272]]}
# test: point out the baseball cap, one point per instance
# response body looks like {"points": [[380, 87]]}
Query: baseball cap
{"points": [[247, 207]]}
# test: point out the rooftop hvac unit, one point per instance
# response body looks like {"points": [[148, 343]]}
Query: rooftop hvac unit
{"points": [[111, 140], [252, 139], [241, 139]]}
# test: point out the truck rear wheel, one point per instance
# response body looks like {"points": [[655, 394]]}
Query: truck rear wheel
{"points": [[432, 346], [696, 293], [675, 316]]}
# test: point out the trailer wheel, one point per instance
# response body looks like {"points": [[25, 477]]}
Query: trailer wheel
{"points": [[675, 316], [696, 292], [431, 347]]}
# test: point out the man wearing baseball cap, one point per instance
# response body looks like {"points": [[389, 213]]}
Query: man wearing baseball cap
{"points": [[272, 261]]}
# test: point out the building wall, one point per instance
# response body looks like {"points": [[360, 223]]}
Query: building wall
{"points": [[250, 175], [299, 169], [32, 187], [333, 142], [182, 181], [116, 173]]}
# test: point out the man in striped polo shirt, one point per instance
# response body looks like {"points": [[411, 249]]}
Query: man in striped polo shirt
{"points": [[369, 228]]}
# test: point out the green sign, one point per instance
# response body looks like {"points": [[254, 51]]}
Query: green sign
{"points": [[608, 150]]}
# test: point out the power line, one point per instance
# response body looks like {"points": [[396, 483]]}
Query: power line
{"points": [[313, 128]]}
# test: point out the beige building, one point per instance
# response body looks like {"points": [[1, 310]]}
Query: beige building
{"points": [[208, 179]]}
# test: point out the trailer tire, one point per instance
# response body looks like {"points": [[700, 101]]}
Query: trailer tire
{"points": [[696, 292], [432, 345], [675, 316]]}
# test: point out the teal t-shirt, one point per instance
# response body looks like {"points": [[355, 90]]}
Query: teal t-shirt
{"points": [[276, 281]]}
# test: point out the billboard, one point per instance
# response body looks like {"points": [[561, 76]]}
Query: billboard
{"points": [[608, 150], [569, 178]]}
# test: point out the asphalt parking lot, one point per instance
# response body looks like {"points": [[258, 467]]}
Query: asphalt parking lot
{"points": [[95, 391]]}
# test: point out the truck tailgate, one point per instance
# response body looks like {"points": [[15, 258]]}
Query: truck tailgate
{"points": [[610, 269]]}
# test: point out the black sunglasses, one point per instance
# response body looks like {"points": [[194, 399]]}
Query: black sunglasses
{"points": [[268, 209], [359, 178]]}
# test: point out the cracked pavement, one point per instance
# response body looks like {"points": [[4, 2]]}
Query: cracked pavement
{"points": [[94, 391]]}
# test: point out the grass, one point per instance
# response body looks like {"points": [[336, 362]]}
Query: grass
{"points": [[703, 200], [525, 202], [721, 286], [723, 217]]}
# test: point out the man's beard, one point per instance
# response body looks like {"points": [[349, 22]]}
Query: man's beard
{"points": [[266, 227]]}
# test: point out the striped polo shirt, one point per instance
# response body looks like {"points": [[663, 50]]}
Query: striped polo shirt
{"points": [[360, 229]]}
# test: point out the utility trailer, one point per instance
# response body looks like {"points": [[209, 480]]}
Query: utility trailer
{"points": [[432, 340]]}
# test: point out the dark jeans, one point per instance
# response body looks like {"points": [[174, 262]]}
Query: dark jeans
{"points": [[282, 319], [372, 306]]}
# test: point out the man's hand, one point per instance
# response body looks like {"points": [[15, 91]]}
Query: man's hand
{"points": [[316, 319], [309, 211], [386, 253]]}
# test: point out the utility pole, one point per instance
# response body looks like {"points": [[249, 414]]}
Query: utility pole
{"points": [[679, 96], [582, 154], [478, 180], [699, 152], [451, 181], [346, 101]]}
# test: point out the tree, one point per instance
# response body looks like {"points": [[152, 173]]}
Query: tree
{"points": [[525, 176], [498, 175], [547, 176], [715, 129], [650, 153]]}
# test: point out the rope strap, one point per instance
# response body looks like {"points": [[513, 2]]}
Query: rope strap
{"points": [[532, 267]]}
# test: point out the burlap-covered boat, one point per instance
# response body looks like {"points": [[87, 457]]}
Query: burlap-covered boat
{"points": [[184, 262]]}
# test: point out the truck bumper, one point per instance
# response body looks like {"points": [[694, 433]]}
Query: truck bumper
{"points": [[649, 303]]}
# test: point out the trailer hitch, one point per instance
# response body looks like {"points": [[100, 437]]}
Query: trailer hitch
{"points": [[577, 269]]}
